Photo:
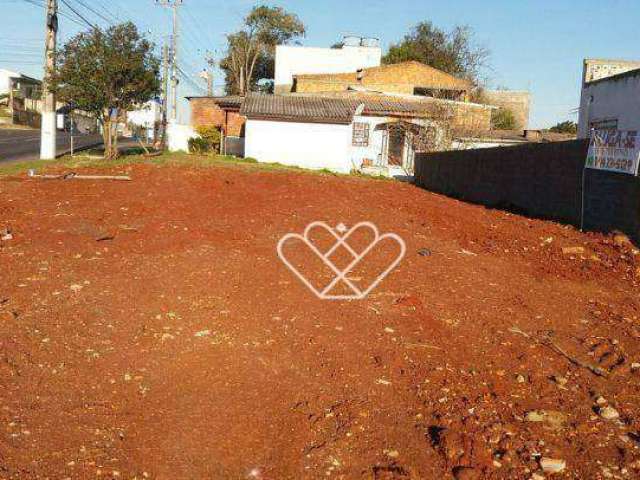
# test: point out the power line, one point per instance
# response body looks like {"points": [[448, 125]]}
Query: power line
{"points": [[189, 80], [98, 14], [40, 4], [91, 25]]}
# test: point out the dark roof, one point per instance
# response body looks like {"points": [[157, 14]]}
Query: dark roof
{"points": [[613, 78], [24, 78], [298, 108], [229, 101]]}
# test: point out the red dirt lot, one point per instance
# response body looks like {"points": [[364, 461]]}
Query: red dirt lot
{"points": [[148, 329]]}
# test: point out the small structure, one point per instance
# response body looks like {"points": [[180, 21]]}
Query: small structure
{"points": [[376, 134], [224, 113], [19, 85], [354, 53], [609, 102], [19, 95]]}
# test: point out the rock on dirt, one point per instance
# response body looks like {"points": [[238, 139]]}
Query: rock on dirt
{"points": [[466, 473], [552, 465], [5, 235], [621, 239], [609, 413], [551, 418], [573, 250]]}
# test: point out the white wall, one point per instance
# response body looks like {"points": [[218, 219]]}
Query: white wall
{"points": [[306, 145], [376, 137], [178, 137], [4, 79], [292, 60], [146, 116], [616, 99]]}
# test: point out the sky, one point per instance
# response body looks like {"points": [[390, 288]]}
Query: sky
{"points": [[535, 45]]}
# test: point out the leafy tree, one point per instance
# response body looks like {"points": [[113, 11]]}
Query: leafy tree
{"points": [[251, 51], [565, 127], [453, 52], [107, 72], [503, 119]]}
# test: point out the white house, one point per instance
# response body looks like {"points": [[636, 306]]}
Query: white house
{"points": [[21, 85], [148, 117], [297, 60], [610, 98], [376, 134]]}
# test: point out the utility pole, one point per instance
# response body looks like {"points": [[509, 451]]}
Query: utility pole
{"points": [[174, 4], [208, 76], [165, 91], [209, 73], [48, 122], [209, 83]]}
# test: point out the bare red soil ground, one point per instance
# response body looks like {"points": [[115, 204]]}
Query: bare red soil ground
{"points": [[149, 330]]}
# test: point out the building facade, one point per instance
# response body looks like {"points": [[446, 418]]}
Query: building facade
{"points": [[296, 60], [517, 102], [610, 102], [406, 78], [344, 134]]}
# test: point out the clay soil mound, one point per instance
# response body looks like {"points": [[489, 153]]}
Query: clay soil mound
{"points": [[148, 329]]}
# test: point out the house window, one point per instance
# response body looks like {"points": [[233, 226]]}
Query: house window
{"points": [[608, 124], [360, 134]]}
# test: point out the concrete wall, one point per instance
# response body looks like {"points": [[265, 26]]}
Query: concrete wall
{"points": [[147, 116], [542, 180], [294, 60], [178, 137], [596, 69], [538, 180], [306, 145], [613, 101], [517, 102], [373, 153]]}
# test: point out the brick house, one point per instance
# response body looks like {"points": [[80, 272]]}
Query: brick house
{"points": [[406, 78], [221, 112]]}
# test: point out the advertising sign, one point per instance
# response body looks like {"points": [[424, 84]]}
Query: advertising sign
{"points": [[615, 151]]}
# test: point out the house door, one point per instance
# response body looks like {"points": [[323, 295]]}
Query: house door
{"points": [[397, 141]]}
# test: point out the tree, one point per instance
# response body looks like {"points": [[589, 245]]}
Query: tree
{"points": [[568, 127], [251, 51], [107, 72], [503, 119], [453, 52]]}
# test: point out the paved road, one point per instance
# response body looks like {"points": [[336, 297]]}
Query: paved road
{"points": [[25, 144]]}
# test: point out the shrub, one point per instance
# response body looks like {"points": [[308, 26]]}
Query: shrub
{"points": [[565, 127], [199, 145], [208, 140], [211, 134], [503, 119]]}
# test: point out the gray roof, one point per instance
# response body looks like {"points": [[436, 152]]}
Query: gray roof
{"points": [[228, 101], [298, 109], [334, 109]]}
